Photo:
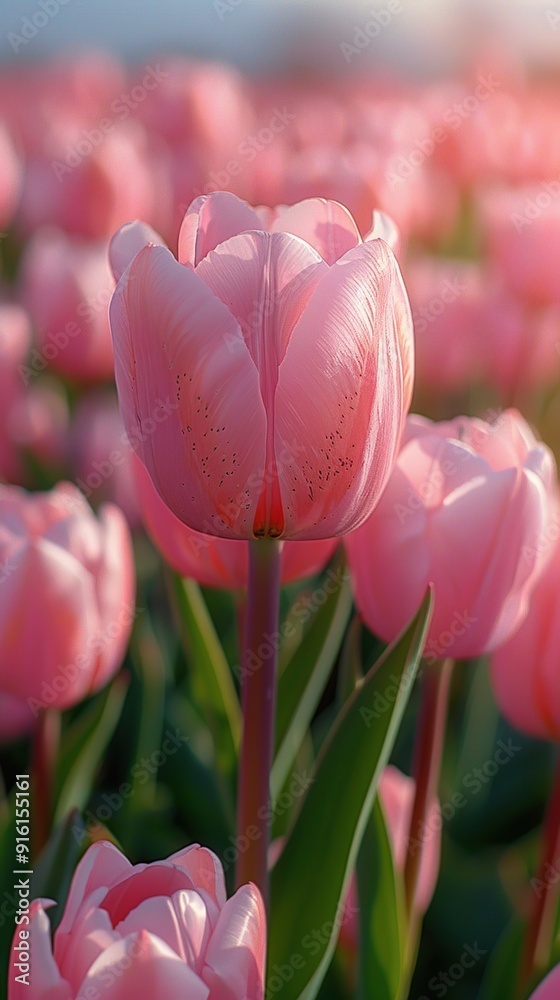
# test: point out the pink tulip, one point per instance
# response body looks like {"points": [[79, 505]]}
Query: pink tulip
{"points": [[519, 344], [524, 671], [466, 509], [213, 561], [396, 793], [67, 595], [549, 989], [10, 177], [15, 340], [522, 233], [288, 379], [67, 286], [163, 929], [16, 718]]}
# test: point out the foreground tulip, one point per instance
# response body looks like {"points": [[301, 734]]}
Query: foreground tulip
{"points": [[67, 595], [164, 929], [524, 671], [396, 793], [212, 561], [288, 379], [467, 508]]}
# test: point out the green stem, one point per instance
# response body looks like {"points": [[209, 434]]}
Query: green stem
{"points": [[538, 940], [259, 703], [46, 743]]}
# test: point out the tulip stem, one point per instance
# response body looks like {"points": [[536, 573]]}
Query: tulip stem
{"points": [[260, 654], [540, 928], [46, 743], [428, 752]]}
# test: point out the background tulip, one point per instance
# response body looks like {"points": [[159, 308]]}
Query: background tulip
{"points": [[163, 929], [288, 379], [467, 508], [67, 607], [213, 561], [524, 671], [549, 989]]}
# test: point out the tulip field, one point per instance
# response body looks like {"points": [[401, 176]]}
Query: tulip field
{"points": [[279, 529]]}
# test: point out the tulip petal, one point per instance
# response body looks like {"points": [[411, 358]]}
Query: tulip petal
{"points": [[204, 869], [44, 981], [129, 240], [186, 383], [212, 219], [235, 959], [115, 588], [181, 921], [143, 967], [94, 932], [343, 390], [325, 225]]}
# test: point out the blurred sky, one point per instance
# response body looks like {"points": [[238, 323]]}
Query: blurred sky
{"points": [[426, 37]]}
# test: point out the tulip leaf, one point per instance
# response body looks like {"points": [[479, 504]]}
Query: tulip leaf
{"points": [[304, 678], [85, 745], [209, 673], [502, 972], [382, 913], [310, 880]]}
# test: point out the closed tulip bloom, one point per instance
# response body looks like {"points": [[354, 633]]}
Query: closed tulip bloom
{"points": [[466, 509], [288, 378], [67, 580], [163, 929], [524, 671], [16, 718], [213, 561], [66, 286], [15, 340]]}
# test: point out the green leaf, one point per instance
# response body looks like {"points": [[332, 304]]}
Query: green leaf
{"points": [[310, 880], [84, 746], [304, 679], [209, 674], [382, 913], [501, 976]]}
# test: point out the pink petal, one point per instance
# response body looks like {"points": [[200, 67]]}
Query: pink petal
{"points": [[235, 960], [302, 559], [181, 921], [549, 989], [325, 225], [157, 879], [129, 240], [189, 394], [115, 580], [204, 869], [343, 390], [143, 967], [91, 934], [266, 281], [210, 220], [101, 865], [45, 981]]}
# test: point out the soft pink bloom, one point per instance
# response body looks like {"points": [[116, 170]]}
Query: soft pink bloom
{"points": [[214, 561], [67, 595], [289, 379], [163, 929], [15, 340], [66, 287], [446, 297], [396, 793], [38, 424], [101, 455], [549, 989], [521, 228], [10, 177], [16, 718], [524, 671], [519, 344], [465, 509]]}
